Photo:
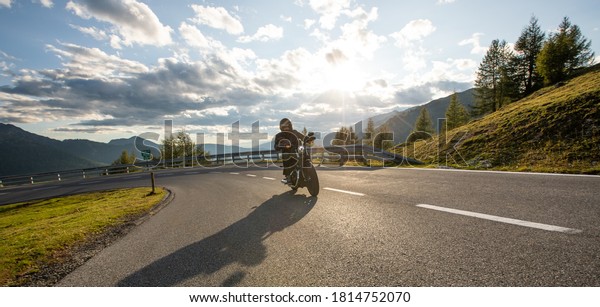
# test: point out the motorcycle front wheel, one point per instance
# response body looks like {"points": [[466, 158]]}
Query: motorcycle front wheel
{"points": [[295, 180], [312, 183]]}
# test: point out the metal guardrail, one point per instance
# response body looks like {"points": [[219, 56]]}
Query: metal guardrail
{"points": [[339, 154]]}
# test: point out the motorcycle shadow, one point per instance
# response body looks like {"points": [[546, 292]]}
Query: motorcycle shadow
{"points": [[241, 242]]}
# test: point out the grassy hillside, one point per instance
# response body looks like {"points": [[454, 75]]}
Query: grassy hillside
{"points": [[556, 129]]}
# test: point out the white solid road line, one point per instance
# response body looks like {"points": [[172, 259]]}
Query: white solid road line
{"points": [[89, 182], [344, 191], [502, 219], [44, 188]]}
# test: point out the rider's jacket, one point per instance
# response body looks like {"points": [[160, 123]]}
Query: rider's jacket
{"points": [[293, 137]]}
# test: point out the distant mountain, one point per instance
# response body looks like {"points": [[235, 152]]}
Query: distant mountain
{"points": [[22, 152], [381, 119], [403, 122]]}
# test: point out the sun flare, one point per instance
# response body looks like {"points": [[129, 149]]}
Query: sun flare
{"points": [[345, 77]]}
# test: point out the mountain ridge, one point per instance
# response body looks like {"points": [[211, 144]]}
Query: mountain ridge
{"points": [[402, 123]]}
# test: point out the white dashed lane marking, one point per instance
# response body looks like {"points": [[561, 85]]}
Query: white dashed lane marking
{"points": [[344, 191], [502, 219]]}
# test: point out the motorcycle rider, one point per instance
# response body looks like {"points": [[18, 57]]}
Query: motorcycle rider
{"points": [[287, 141]]}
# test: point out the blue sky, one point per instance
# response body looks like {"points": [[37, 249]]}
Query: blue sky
{"points": [[108, 69]]}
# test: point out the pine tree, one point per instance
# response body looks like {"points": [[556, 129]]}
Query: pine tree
{"points": [[423, 127], [528, 47], [494, 86], [345, 136], [340, 136], [383, 138], [369, 133], [456, 114], [563, 53], [352, 137], [424, 123], [125, 158]]}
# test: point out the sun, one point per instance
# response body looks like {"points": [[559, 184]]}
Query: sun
{"points": [[345, 77]]}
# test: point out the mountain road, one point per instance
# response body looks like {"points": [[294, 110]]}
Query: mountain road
{"points": [[232, 226]]}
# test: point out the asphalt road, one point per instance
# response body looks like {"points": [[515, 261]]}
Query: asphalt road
{"points": [[367, 227]]}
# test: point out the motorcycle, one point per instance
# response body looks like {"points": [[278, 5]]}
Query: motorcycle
{"points": [[303, 173]]}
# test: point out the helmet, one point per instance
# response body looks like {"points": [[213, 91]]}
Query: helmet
{"points": [[285, 124]]}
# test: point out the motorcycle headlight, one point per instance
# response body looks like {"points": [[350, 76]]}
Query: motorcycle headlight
{"points": [[301, 149]]}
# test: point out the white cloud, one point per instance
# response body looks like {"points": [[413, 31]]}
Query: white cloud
{"points": [[218, 18], [445, 1], [285, 18], [193, 36], [414, 59], [47, 3], [285, 74], [410, 40], [413, 32], [263, 34], [309, 23], [92, 31], [5, 3], [329, 10], [356, 38], [83, 62], [447, 76], [133, 21], [474, 42]]}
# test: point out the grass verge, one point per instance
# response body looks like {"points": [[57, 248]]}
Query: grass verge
{"points": [[42, 232]]}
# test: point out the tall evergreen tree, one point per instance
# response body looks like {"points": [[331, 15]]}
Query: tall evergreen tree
{"points": [[563, 53], [345, 136], [125, 158], [423, 127], [369, 133], [352, 137], [456, 114], [424, 123], [528, 47], [494, 85], [383, 138]]}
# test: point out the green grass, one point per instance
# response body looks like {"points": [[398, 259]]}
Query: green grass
{"points": [[556, 129], [40, 232]]}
